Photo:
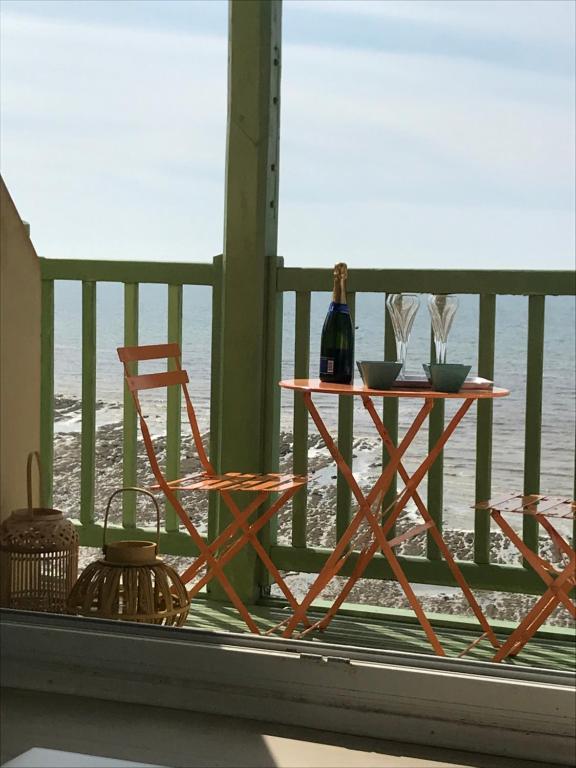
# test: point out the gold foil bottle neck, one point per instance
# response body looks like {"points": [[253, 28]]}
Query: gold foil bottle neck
{"points": [[341, 271], [340, 275]]}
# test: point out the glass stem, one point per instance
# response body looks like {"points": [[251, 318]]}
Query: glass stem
{"points": [[440, 351], [401, 354]]}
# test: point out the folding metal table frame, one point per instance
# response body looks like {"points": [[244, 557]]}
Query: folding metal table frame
{"points": [[378, 540]]}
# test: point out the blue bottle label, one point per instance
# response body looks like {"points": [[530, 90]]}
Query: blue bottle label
{"points": [[335, 307], [327, 365]]}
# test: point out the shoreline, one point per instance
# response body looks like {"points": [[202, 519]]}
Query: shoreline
{"points": [[320, 516]]}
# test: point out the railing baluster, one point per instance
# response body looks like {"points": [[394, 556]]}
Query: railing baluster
{"points": [[272, 405], [435, 490], [300, 423], [173, 415], [214, 392], [533, 425], [88, 439], [47, 391], [130, 427], [389, 413], [345, 440], [486, 338]]}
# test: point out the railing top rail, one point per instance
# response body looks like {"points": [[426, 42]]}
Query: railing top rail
{"points": [[503, 282], [474, 281], [171, 272]]}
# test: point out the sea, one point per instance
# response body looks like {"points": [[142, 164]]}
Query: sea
{"points": [[558, 408]]}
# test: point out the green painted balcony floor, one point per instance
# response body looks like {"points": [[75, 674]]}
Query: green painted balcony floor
{"points": [[551, 649]]}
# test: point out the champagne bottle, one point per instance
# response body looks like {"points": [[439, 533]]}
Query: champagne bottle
{"points": [[337, 343]]}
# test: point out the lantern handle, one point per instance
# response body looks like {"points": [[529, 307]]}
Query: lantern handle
{"points": [[33, 455], [136, 490]]}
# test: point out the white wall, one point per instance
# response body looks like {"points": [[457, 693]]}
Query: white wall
{"points": [[20, 295]]}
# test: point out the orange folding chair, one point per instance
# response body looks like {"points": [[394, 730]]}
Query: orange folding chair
{"points": [[560, 580], [216, 554]]}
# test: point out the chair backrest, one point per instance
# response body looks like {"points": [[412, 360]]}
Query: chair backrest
{"points": [[158, 380]]}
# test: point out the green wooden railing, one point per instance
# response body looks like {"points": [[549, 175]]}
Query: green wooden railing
{"points": [[298, 556], [480, 573], [131, 275]]}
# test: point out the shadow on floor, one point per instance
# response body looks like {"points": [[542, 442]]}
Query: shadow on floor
{"points": [[178, 738]]}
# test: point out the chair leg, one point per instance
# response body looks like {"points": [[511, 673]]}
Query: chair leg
{"points": [[249, 534], [222, 538], [211, 561], [208, 552], [529, 626], [559, 584]]}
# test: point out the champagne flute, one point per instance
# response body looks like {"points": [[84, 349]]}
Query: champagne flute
{"points": [[402, 308], [442, 308]]}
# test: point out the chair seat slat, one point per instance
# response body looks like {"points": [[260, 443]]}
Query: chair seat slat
{"points": [[533, 504], [235, 481]]}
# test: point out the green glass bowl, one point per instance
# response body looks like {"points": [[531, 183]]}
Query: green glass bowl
{"points": [[378, 374], [448, 377]]}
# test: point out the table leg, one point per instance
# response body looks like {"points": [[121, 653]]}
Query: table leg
{"points": [[365, 511], [330, 568], [434, 532], [380, 540]]}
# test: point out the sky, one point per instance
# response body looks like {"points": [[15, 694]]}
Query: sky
{"points": [[414, 133]]}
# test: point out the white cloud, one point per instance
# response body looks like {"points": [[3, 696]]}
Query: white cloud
{"points": [[424, 161], [121, 127], [529, 19], [376, 108], [383, 234]]}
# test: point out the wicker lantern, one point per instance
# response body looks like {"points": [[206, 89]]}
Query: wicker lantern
{"points": [[131, 583], [38, 556]]}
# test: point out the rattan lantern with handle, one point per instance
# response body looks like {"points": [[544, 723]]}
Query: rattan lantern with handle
{"points": [[131, 583], [38, 555]]}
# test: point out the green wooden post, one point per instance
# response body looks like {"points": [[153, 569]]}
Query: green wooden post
{"points": [[533, 423], [435, 491], [88, 436], [300, 423], [215, 420], [271, 414], [130, 432], [486, 345], [389, 414], [247, 401], [173, 416]]}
